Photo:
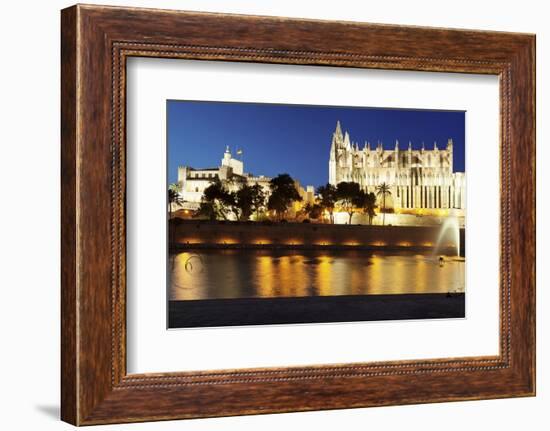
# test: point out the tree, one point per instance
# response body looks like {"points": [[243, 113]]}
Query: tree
{"points": [[242, 202], [369, 204], [235, 181], [258, 199], [283, 194], [327, 199], [313, 211], [383, 190], [216, 202], [349, 196], [174, 197], [207, 210]]}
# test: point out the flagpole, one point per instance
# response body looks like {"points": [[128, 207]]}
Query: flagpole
{"points": [[240, 153]]}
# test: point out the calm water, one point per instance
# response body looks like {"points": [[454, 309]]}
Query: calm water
{"points": [[208, 274]]}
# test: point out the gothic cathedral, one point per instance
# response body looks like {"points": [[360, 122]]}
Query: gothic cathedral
{"points": [[417, 178]]}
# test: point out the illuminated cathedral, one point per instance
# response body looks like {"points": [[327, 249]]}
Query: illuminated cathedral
{"points": [[417, 178]]}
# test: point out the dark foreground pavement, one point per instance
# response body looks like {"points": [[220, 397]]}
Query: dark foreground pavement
{"points": [[317, 309]]}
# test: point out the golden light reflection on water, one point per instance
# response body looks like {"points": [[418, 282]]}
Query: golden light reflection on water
{"points": [[208, 274], [264, 271], [323, 275], [420, 273]]}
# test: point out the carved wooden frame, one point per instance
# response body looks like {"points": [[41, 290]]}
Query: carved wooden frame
{"points": [[95, 42]]}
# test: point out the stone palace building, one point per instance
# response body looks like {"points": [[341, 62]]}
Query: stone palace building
{"points": [[192, 181], [418, 179]]}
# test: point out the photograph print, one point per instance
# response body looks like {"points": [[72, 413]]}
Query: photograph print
{"points": [[287, 214]]}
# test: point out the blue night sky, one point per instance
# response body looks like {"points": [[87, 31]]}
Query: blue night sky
{"points": [[296, 139]]}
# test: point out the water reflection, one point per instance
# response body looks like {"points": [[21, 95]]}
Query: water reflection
{"points": [[208, 274]]}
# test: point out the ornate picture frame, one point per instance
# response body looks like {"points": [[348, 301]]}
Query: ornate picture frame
{"points": [[96, 41]]}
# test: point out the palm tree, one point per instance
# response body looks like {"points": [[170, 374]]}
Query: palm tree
{"points": [[383, 190], [174, 197]]}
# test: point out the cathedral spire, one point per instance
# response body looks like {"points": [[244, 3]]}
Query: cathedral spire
{"points": [[337, 138], [347, 143], [396, 145], [450, 143], [338, 131], [410, 145], [435, 145]]}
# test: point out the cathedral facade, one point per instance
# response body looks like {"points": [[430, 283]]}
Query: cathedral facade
{"points": [[418, 179]]}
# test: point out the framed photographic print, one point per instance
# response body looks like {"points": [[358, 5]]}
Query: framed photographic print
{"points": [[321, 214], [330, 232]]}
